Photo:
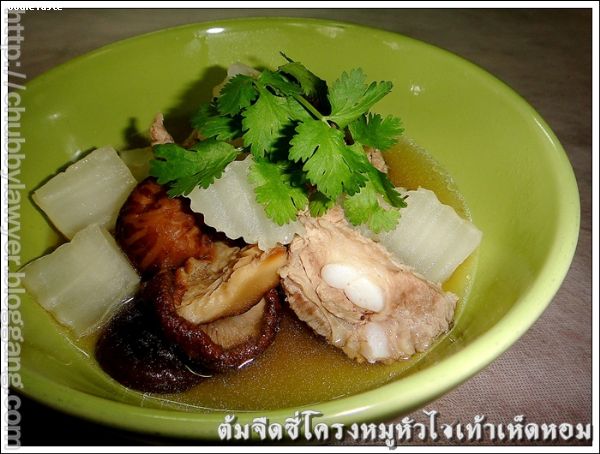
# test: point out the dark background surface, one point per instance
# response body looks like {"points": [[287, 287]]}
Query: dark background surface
{"points": [[545, 55]]}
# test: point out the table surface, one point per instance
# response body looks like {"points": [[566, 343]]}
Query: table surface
{"points": [[545, 55]]}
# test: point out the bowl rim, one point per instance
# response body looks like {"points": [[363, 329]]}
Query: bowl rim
{"points": [[374, 404]]}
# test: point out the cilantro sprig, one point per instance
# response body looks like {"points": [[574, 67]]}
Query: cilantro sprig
{"points": [[306, 140]]}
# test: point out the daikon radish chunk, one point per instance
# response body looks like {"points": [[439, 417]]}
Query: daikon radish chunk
{"points": [[229, 205], [138, 161], [82, 281], [90, 191], [430, 236]]}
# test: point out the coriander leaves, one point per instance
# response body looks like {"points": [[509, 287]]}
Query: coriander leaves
{"points": [[307, 144], [329, 164], [186, 169], [264, 123], [279, 189], [238, 94], [374, 131], [350, 97]]}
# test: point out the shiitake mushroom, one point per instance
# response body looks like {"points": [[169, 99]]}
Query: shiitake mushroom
{"points": [[159, 232], [134, 351], [229, 341], [208, 303]]}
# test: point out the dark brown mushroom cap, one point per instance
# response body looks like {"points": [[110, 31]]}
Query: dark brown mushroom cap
{"points": [[202, 343], [158, 232], [133, 350]]}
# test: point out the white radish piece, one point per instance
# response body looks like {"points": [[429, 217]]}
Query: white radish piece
{"points": [[138, 161], [90, 191], [430, 236], [82, 281], [229, 205]]}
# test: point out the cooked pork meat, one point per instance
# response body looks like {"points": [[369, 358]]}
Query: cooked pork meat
{"points": [[223, 312], [191, 139], [351, 291], [158, 132], [376, 158], [158, 232]]}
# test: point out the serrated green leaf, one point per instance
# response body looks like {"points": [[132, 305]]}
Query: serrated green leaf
{"points": [[311, 84], [185, 169], [222, 128], [347, 90], [296, 111], [236, 95], [383, 220], [329, 164], [383, 186], [279, 83], [264, 123], [356, 157], [211, 124], [319, 204], [276, 191], [374, 131], [365, 208], [350, 97]]}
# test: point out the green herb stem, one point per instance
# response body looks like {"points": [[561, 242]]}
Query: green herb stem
{"points": [[308, 106]]}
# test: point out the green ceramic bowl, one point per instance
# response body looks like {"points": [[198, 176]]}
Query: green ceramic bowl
{"points": [[509, 166]]}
